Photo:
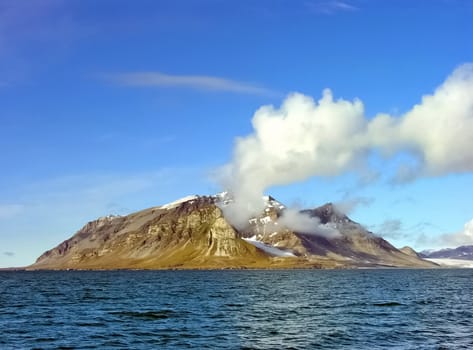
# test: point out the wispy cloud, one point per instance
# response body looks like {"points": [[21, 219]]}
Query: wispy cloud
{"points": [[330, 7], [419, 233], [196, 82], [348, 204], [9, 254], [391, 228]]}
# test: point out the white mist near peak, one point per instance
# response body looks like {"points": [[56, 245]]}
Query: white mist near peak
{"points": [[301, 222]]}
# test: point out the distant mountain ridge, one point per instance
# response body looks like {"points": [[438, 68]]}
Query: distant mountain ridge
{"points": [[193, 232], [463, 253]]}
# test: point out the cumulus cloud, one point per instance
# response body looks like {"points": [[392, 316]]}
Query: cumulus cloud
{"points": [[438, 131], [299, 140], [464, 237], [305, 138], [197, 82]]}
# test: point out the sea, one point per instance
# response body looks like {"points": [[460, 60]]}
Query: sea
{"points": [[237, 309]]}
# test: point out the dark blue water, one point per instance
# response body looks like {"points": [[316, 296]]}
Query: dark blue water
{"points": [[313, 309]]}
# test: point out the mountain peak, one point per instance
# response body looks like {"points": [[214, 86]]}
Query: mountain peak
{"points": [[328, 213], [409, 251]]}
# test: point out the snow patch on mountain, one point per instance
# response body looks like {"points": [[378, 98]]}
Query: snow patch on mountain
{"points": [[268, 248], [272, 203], [178, 202]]}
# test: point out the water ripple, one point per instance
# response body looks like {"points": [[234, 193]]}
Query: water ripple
{"points": [[375, 309]]}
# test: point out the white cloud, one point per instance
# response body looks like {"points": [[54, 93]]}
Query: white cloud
{"points": [[464, 237], [301, 222], [302, 138], [305, 138], [197, 82], [438, 131], [330, 7]]}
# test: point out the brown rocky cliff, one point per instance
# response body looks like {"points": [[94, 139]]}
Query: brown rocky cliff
{"points": [[353, 245], [193, 233], [409, 251]]}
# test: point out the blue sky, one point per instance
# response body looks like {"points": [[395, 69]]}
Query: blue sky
{"points": [[114, 106]]}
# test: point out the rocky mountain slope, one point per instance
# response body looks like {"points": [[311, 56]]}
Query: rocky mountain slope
{"points": [[191, 232], [409, 251], [462, 252], [340, 239], [194, 233]]}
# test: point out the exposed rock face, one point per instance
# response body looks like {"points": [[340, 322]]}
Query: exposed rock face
{"points": [[409, 251], [193, 233], [353, 245]]}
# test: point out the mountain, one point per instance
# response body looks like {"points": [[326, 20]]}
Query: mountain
{"points": [[463, 253], [193, 232], [352, 244], [409, 251]]}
